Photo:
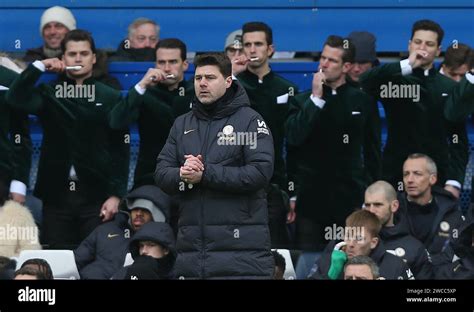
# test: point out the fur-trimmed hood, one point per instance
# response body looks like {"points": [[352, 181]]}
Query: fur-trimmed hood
{"points": [[18, 230]]}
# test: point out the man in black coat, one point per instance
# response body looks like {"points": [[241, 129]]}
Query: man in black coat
{"points": [[381, 200], [103, 252], [219, 158], [432, 214]]}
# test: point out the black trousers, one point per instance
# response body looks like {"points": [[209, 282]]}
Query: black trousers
{"points": [[278, 207], [68, 220]]}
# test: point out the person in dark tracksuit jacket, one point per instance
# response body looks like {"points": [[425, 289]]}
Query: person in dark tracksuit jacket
{"points": [[83, 169], [365, 243], [158, 102], [459, 256], [337, 127], [219, 158], [15, 145], [269, 94], [153, 249], [414, 95], [381, 200], [103, 252], [432, 214]]}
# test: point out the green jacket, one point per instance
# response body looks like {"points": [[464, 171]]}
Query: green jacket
{"points": [[155, 112], [463, 101], [270, 99], [75, 133], [341, 152], [15, 141], [418, 126]]}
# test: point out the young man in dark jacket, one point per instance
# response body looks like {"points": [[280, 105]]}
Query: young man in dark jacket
{"points": [[219, 158], [162, 95], [83, 168], [15, 145], [381, 200], [336, 125], [153, 250], [361, 239], [103, 252], [414, 95]]}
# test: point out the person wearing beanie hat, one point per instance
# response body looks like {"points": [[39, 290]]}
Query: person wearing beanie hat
{"points": [[233, 48], [365, 55], [55, 23]]}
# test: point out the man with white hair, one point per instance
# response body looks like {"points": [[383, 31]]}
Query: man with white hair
{"points": [[55, 23], [139, 46]]}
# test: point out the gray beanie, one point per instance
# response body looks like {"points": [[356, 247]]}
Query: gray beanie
{"points": [[234, 40], [364, 43], [58, 14]]}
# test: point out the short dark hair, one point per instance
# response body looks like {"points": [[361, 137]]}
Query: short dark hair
{"points": [[457, 55], [279, 260], [78, 35], [428, 25], [43, 266], [173, 43], [342, 43], [30, 271], [218, 59], [258, 26]]}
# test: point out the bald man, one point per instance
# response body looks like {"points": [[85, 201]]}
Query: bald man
{"points": [[381, 200]]}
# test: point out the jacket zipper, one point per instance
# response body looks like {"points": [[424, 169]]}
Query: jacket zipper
{"points": [[203, 153]]}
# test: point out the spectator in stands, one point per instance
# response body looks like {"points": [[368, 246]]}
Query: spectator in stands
{"points": [[83, 167], [269, 94], [337, 127], [55, 23], [233, 48], [361, 268], [7, 268], [143, 35], [15, 141], [162, 94], [154, 253], [381, 200], [29, 273], [19, 229], [361, 239], [457, 60], [414, 95], [39, 265], [365, 54], [280, 265], [103, 252], [432, 213], [220, 181]]}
